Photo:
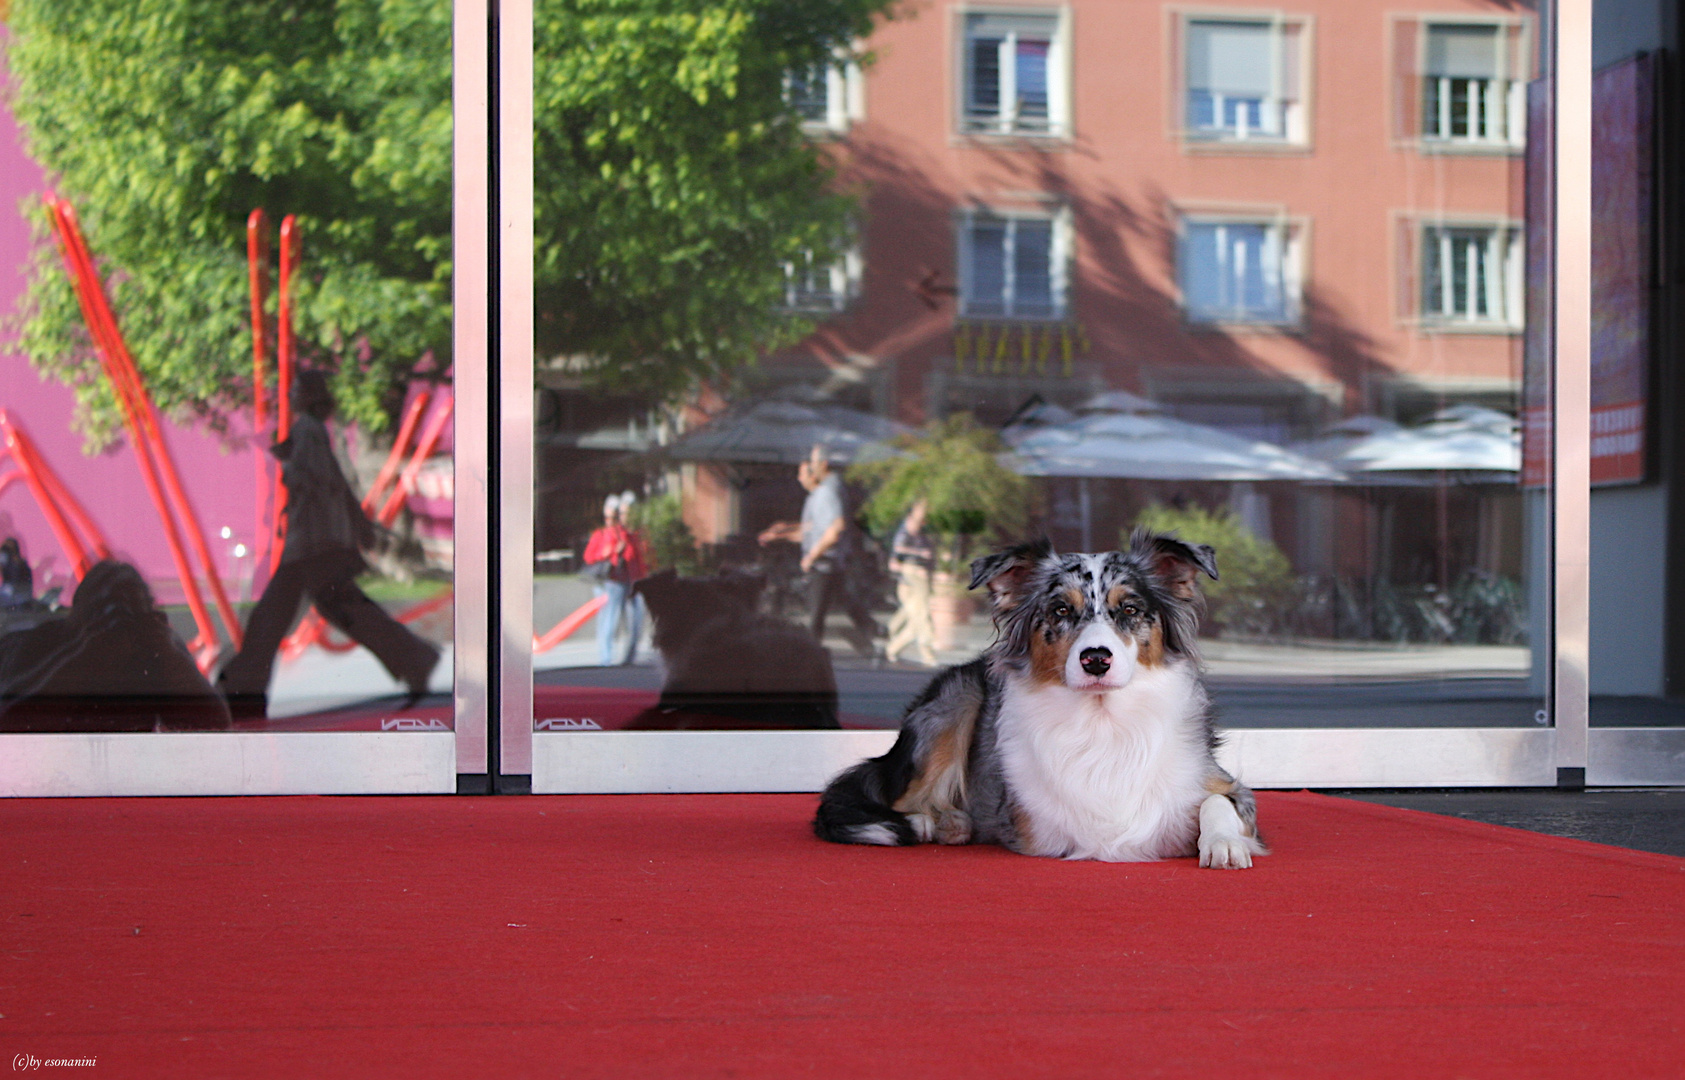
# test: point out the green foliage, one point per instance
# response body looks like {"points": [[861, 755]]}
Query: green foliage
{"points": [[672, 182], [671, 543], [955, 464], [167, 121], [675, 180], [1256, 586]]}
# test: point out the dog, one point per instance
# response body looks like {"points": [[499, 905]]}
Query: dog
{"points": [[729, 665], [1083, 732]]}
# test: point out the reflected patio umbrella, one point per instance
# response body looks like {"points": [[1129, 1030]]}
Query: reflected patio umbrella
{"points": [[1121, 436], [1464, 444], [780, 432]]}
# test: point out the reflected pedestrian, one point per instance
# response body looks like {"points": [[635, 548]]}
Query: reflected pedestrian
{"points": [[326, 532], [827, 546], [912, 559], [613, 558]]}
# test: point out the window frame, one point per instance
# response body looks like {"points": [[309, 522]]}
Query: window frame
{"points": [[1288, 31], [1060, 79], [1506, 282], [1294, 246], [846, 273], [845, 98], [1060, 251], [1408, 52]]}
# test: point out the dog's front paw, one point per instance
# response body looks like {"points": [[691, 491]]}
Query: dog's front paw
{"points": [[1225, 852]]}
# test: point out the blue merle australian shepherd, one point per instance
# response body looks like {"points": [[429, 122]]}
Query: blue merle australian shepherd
{"points": [[1083, 732]]}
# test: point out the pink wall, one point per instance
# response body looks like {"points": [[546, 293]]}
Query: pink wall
{"points": [[218, 477]]}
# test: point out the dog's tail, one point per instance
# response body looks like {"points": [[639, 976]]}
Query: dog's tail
{"points": [[855, 808]]}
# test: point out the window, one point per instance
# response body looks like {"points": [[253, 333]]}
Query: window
{"points": [[1465, 94], [1014, 75], [1462, 84], [1242, 81], [826, 97], [1238, 271], [1471, 276], [811, 286], [1012, 266]]}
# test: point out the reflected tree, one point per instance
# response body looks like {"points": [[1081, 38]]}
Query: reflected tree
{"points": [[673, 184]]}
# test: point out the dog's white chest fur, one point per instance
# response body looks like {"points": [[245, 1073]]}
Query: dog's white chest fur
{"points": [[1117, 776]]}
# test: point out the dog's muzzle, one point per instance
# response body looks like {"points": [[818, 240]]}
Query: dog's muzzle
{"points": [[1096, 661]]}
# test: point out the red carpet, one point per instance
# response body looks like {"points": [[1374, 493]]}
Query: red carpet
{"points": [[711, 936]]}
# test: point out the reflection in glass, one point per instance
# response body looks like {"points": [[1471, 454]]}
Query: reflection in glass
{"points": [[1136, 276], [286, 231]]}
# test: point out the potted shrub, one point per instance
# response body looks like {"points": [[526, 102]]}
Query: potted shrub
{"points": [[1256, 589], [974, 501]]}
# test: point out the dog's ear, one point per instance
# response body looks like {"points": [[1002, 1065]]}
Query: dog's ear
{"points": [[1178, 563], [1006, 571]]}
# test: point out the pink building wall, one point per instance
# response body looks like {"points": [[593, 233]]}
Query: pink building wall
{"points": [[218, 476], [1124, 170]]}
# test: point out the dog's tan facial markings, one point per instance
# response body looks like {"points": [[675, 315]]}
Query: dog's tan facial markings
{"points": [[1047, 656], [1150, 653], [938, 792]]}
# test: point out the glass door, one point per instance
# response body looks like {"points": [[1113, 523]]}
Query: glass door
{"points": [[231, 429], [839, 308]]}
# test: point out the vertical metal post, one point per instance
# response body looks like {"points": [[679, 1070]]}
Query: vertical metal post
{"points": [[514, 412], [1571, 489], [470, 345]]}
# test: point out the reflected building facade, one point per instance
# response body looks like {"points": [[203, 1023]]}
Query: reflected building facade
{"points": [[1264, 221]]}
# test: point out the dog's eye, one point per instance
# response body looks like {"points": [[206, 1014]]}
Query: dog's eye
{"points": [[1061, 611], [1131, 610]]}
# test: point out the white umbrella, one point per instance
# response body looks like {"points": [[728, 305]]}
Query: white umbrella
{"points": [[1121, 436], [782, 432], [1464, 443]]}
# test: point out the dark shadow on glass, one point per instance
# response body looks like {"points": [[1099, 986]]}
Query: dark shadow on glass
{"points": [[111, 663], [730, 665]]}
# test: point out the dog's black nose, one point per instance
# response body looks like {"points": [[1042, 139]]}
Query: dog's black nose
{"points": [[1096, 661]]}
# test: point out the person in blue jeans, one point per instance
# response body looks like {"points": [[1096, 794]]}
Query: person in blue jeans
{"points": [[613, 552]]}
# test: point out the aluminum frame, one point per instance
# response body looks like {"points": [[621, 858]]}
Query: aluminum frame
{"points": [[628, 762], [514, 483], [471, 294], [1570, 81], [229, 763]]}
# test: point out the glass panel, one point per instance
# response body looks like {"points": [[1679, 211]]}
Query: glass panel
{"points": [[810, 95], [1636, 665], [984, 97], [227, 412], [1032, 80], [1322, 378], [986, 292]]}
